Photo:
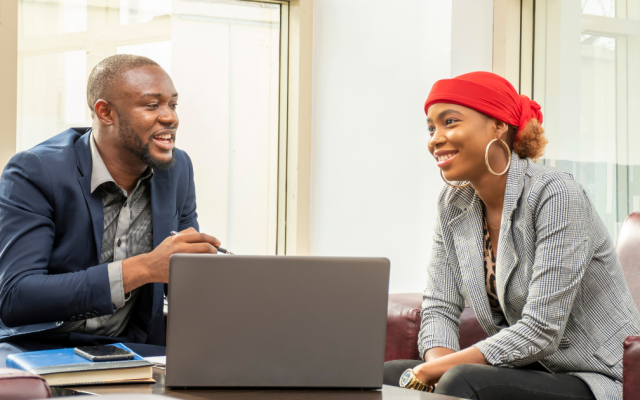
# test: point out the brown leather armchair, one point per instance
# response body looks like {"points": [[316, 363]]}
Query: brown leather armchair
{"points": [[628, 249], [403, 325], [21, 385], [403, 315]]}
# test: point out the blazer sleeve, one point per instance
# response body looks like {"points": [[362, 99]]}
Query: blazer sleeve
{"points": [[442, 303], [564, 218], [189, 216], [28, 293]]}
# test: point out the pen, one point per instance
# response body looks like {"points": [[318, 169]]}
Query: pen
{"points": [[220, 249]]}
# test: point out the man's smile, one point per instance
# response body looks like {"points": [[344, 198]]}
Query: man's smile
{"points": [[165, 140]]}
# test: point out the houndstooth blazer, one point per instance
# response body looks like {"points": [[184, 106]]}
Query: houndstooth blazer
{"points": [[558, 280]]}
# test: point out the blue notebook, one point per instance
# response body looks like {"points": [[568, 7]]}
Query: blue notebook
{"points": [[63, 367]]}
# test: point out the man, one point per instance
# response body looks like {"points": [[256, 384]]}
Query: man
{"points": [[85, 217]]}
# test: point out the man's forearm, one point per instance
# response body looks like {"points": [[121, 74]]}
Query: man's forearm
{"points": [[135, 272]]}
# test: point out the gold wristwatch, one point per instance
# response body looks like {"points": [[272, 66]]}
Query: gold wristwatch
{"points": [[410, 381]]}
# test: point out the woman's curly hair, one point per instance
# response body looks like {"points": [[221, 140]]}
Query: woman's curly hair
{"points": [[531, 140]]}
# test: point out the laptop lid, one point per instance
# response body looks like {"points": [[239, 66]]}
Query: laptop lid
{"points": [[276, 321]]}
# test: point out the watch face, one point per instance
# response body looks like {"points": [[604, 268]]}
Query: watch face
{"points": [[405, 378]]}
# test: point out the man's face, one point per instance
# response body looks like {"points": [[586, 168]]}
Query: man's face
{"points": [[145, 104]]}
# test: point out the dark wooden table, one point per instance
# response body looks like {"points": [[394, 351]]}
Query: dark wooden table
{"points": [[387, 392]]}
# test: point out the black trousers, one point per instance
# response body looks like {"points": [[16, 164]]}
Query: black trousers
{"points": [[479, 382]]}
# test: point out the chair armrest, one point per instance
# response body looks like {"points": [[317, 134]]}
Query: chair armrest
{"points": [[21, 385], [403, 327], [631, 368]]}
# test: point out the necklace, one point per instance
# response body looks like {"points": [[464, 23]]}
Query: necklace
{"points": [[486, 218], [491, 226]]}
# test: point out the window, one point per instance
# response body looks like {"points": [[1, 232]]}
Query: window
{"points": [[229, 60], [586, 77]]}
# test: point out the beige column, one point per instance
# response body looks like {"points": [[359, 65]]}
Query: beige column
{"points": [[8, 79], [299, 127], [506, 40]]}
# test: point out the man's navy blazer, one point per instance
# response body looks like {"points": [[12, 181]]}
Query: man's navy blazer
{"points": [[51, 228]]}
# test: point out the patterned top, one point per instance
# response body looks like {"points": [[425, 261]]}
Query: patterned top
{"points": [[490, 270], [489, 259]]}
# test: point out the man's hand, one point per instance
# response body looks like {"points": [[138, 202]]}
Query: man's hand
{"points": [[154, 266]]}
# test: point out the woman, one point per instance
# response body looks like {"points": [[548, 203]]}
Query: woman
{"points": [[522, 244]]}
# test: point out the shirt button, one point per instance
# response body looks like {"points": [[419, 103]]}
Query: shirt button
{"points": [[119, 242], [95, 313]]}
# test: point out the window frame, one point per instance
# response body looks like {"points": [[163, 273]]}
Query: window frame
{"points": [[294, 135], [532, 12], [513, 41], [8, 79]]}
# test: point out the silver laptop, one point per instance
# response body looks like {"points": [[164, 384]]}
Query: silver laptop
{"points": [[276, 321]]}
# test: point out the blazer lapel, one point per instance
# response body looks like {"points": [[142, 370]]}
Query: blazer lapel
{"points": [[162, 210], [94, 200], [507, 259], [467, 235], [162, 205]]}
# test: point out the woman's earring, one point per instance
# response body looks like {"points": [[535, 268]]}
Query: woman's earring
{"points": [[451, 184], [486, 157]]}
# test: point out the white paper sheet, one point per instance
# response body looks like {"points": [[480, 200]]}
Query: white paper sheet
{"points": [[160, 361]]}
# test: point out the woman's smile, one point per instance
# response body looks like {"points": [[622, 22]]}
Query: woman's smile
{"points": [[444, 157]]}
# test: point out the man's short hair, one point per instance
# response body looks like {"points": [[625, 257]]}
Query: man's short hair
{"points": [[106, 74]]}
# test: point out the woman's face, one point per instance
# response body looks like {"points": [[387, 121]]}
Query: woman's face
{"points": [[459, 137]]}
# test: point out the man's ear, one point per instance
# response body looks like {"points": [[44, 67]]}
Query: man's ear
{"points": [[104, 112]]}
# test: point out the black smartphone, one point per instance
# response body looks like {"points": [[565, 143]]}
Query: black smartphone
{"points": [[103, 353]]}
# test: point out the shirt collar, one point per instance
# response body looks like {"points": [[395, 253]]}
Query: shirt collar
{"points": [[99, 172]]}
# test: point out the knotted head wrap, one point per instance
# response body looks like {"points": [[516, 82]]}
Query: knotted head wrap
{"points": [[489, 94]]}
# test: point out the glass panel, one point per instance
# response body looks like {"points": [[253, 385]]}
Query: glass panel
{"points": [[224, 59], [159, 52], [47, 17], [52, 101], [604, 8], [588, 90], [138, 11]]}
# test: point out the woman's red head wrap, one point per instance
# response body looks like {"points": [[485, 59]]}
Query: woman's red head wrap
{"points": [[487, 93]]}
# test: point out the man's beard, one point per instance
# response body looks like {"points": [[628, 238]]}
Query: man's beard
{"points": [[131, 141]]}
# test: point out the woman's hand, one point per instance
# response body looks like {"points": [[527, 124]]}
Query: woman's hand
{"points": [[422, 372], [440, 362]]}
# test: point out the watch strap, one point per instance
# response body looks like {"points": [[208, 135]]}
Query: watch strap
{"points": [[416, 384]]}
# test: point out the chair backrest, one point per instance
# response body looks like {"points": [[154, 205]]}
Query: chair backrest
{"points": [[628, 249]]}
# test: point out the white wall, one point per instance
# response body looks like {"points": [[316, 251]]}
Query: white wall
{"points": [[471, 36], [374, 185]]}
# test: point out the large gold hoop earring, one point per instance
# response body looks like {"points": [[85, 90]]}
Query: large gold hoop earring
{"points": [[486, 157], [451, 184]]}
